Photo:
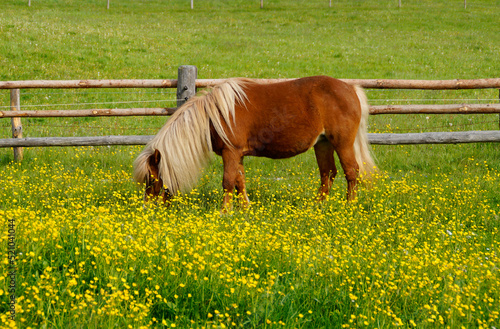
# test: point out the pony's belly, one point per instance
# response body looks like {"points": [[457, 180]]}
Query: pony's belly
{"points": [[278, 154], [280, 148]]}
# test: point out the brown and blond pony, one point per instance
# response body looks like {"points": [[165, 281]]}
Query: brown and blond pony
{"points": [[242, 117]]}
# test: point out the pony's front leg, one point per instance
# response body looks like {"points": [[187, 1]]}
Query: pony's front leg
{"points": [[240, 185], [231, 161]]}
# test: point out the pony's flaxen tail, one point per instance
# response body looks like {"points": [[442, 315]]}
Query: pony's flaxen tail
{"points": [[361, 145]]}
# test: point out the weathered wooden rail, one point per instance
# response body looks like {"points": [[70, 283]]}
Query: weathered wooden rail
{"points": [[202, 83], [378, 109], [88, 113], [187, 83], [380, 139]]}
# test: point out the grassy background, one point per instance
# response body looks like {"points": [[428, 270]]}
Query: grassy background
{"points": [[353, 39], [424, 191], [150, 39]]}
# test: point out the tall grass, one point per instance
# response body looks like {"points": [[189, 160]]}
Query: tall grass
{"points": [[413, 250], [419, 248]]}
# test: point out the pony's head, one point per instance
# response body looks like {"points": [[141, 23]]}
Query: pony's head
{"points": [[147, 171]]}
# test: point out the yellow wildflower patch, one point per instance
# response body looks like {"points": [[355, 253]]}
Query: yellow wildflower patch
{"points": [[410, 252]]}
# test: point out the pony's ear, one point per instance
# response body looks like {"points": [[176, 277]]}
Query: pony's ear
{"points": [[157, 157], [154, 162]]}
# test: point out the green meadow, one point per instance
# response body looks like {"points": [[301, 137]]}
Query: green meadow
{"points": [[418, 248]]}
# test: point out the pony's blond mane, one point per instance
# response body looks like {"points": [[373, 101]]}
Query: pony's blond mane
{"points": [[184, 142]]}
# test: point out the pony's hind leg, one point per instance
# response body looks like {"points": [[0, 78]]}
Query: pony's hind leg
{"points": [[324, 156], [350, 165]]}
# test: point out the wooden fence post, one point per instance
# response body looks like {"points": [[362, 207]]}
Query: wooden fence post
{"points": [[17, 128], [186, 83]]}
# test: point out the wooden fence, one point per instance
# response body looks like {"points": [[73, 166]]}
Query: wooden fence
{"points": [[187, 83]]}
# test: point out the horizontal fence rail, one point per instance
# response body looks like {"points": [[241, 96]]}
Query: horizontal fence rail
{"points": [[76, 84], [202, 83], [378, 109], [89, 113], [455, 137], [434, 109], [378, 139], [75, 141], [397, 84]]}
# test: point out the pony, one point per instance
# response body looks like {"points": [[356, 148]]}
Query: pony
{"points": [[242, 117]]}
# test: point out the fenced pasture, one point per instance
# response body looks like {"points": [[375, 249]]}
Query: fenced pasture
{"points": [[418, 248]]}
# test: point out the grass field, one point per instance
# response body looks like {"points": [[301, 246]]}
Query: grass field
{"points": [[418, 248]]}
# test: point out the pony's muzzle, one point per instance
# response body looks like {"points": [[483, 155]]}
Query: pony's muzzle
{"points": [[156, 195]]}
